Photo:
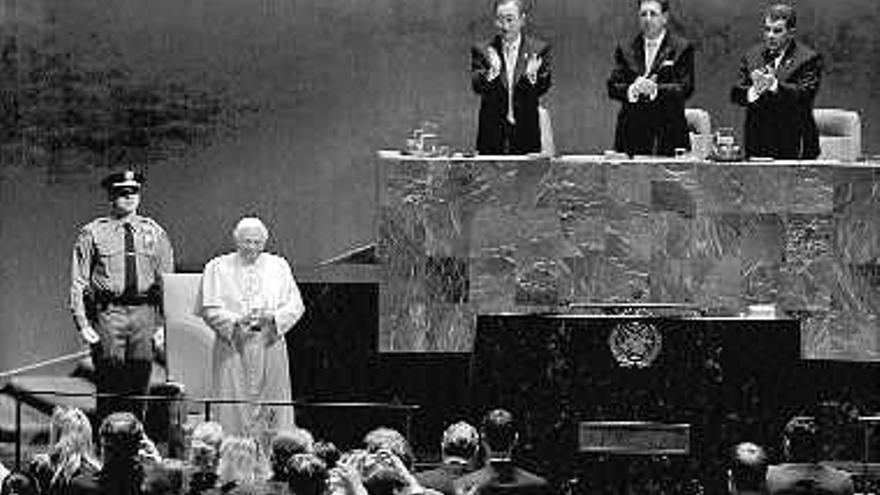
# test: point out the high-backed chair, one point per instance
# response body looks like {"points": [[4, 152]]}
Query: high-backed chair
{"points": [[548, 147], [840, 134], [700, 127]]}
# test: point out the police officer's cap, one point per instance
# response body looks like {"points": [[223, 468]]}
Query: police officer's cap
{"points": [[127, 179]]}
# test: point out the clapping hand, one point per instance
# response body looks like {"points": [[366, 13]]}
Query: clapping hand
{"points": [[494, 60], [762, 80], [533, 64]]}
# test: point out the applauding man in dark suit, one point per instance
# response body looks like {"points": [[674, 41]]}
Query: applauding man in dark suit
{"points": [[778, 81], [653, 76], [510, 72]]}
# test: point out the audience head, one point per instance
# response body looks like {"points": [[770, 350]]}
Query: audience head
{"points": [[18, 483], [748, 469], [780, 24], [239, 461], [499, 433], [286, 444], [204, 449], [460, 440], [384, 480], [209, 432], [70, 434], [384, 438], [328, 452], [121, 435], [653, 17], [800, 441], [306, 474]]}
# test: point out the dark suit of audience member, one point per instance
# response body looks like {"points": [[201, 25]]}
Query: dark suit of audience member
{"points": [[510, 72], [652, 90], [803, 474], [778, 81], [458, 451], [500, 475]]}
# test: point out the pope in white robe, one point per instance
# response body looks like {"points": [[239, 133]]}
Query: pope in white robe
{"points": [[250, 299]]}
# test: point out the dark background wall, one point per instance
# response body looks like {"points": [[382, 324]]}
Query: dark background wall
{"points": [[298, 96]]}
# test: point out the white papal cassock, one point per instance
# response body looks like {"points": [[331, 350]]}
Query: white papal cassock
{"points": [[251, 365]]}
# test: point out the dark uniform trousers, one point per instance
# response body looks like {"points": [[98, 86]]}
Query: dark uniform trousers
{"points": [[123, 357]]}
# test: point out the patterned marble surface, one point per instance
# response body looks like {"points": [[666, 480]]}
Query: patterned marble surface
{"points": [[469, 236]]}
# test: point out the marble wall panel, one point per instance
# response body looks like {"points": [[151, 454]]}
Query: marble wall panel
{"points": [[465, 237]]}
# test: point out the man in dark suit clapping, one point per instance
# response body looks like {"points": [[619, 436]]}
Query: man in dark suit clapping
{"points": [[778, 81], [510, 72], [653, 76]]}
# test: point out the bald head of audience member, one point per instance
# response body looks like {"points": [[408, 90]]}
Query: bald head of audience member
{"points": [[748, 469]]}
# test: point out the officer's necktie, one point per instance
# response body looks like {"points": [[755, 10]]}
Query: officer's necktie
{"points": [[130, 262]]}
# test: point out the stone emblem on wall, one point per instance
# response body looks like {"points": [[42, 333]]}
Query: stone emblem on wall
{"points": [[635, 344]]}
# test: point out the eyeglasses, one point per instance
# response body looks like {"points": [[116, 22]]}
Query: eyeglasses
{"points": [[507, 19]]}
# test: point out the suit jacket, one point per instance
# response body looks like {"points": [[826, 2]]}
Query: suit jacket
{"points": [[494, 97], [653, 127], [502, 478], [808, 479], [442, 478], [780, 124]]}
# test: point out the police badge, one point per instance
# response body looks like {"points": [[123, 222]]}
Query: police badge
{"points": [[635, 344]]}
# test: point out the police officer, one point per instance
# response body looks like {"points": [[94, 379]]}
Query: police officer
{"points": [[116, 294]]}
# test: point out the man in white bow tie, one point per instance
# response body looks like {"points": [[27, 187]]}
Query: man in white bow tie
{"points": [[510, 72], [652, 78], [778, 81]]}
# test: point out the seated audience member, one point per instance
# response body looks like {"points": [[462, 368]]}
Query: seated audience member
{"points": [[122, 438], [284, 445], [19, 484], [328, 452], [802, 473], [204, 453], [70, 452], [384, 438], [306, 474], [748, 470], [458, 449], [778, 81], [239, 464], [500, 475]]}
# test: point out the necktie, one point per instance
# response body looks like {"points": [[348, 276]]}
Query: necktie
{"points": [[651, 47], [130, 263], [510, 64]]}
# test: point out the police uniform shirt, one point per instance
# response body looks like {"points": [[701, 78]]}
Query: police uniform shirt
{"points": [[99, 260]]}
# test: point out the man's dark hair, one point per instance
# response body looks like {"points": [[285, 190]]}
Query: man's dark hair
{"points": [[499, 430], [664, 4], [748, 467], [802, 439], [121, 435], [328, 452], [306, 474], [284, 445], [784, 12]]}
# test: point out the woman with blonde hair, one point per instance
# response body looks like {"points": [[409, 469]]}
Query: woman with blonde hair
{"points": [[71, 452]]}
